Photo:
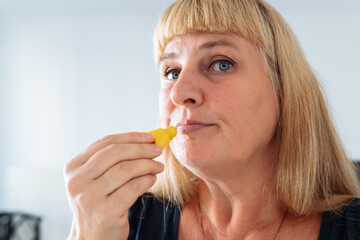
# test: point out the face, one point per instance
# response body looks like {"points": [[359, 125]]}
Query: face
{"points": [[218, 93]]}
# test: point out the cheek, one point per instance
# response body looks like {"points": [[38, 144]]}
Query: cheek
{"points": [[232, 102], [165, 107], [249, 111]]}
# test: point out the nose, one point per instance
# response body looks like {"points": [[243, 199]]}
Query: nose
{"points": [[188, 89]]}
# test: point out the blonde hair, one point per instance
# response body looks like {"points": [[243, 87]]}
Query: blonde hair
{"points": [[313, 172]]}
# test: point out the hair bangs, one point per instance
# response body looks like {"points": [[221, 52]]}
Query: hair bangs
{"points": [[239, 17]]}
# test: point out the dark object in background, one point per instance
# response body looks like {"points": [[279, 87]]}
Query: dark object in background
{"points": [[19, 226]]}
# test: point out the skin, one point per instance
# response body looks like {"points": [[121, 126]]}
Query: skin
{"points": [[240, 102], [105, 180], [220, 79]]}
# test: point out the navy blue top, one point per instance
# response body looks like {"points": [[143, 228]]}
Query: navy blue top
{"points": [[153, 219]]}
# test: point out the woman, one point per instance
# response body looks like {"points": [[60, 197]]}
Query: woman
{"points": [[256, 155]]}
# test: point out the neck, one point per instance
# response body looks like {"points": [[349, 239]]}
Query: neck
{"points": [[241, 204]]}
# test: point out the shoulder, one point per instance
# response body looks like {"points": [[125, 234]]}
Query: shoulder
{"points": [[342, 225], [153, 218]]}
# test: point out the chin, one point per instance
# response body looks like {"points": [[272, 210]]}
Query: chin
{"points": [[193, 160], [191, 152]]}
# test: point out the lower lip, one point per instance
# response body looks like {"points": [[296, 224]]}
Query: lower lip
{"points": [[191, 128]]}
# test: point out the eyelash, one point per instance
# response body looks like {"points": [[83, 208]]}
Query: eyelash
{"points": [[168, 71], [221, 61]]}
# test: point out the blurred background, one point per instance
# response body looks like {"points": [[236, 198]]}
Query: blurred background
{"points": [[72, 71]]}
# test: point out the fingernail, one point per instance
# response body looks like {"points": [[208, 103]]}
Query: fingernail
{"points": [[149, 137], [161, 167], [156, 148]]}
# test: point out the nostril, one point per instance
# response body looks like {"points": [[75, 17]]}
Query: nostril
{"points": [[190, 100]]}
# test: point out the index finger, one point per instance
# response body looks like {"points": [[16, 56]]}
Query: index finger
{"points": [[130, 137]]}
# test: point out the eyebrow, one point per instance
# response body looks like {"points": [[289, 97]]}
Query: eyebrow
{"points": [[203, 46], [213, 44]]}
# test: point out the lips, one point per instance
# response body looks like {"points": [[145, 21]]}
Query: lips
{"points": [[188, 126]]}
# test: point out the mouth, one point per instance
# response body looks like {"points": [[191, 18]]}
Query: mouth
{"points": [[188, 126]]}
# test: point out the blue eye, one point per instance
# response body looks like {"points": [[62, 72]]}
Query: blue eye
{"points": [[222, 65], [172, 74]]}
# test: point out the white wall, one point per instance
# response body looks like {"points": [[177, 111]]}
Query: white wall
{"points": [[67, 79], [331, 44]]}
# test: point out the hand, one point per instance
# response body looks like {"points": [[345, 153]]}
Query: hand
{"points": [[105, 180]]}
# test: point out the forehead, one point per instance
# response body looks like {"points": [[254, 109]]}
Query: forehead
{"points": [[191, 41]]}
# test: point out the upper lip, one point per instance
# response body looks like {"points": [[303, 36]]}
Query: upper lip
{"points": [[183, 123]]}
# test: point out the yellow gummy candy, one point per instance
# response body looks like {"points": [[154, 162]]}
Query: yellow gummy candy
{"points": [[163, 136]]}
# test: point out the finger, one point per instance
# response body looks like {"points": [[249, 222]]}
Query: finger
{"points": [[123, 172], [113, 154], [131, 137], [125, 196]]}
